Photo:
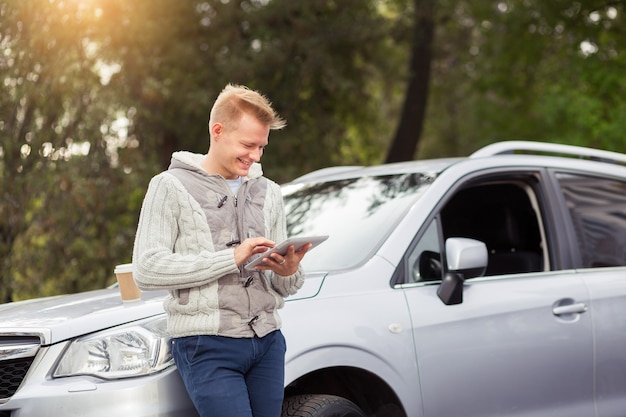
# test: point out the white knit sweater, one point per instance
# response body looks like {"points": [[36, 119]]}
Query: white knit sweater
{"points": [[178, 249]]}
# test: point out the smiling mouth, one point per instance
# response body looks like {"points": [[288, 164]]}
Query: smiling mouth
{"points": [[246, 163]]}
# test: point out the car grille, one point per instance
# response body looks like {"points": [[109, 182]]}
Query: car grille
{"points": [[16, 357]]}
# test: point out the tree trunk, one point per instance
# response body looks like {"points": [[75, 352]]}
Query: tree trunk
{"points": [[169, 146], [411, 123]]}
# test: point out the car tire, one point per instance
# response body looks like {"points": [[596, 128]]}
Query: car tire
{"points": [[320, 405]]}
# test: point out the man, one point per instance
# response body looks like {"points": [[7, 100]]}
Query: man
{"points": [[200, 222]]}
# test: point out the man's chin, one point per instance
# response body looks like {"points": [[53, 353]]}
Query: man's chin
{"points": [[243, 172]]}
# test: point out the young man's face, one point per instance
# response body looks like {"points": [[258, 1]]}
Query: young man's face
{"points": [[236, 149]]}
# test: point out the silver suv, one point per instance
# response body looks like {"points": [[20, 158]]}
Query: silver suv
{"points": [[493, 285]]}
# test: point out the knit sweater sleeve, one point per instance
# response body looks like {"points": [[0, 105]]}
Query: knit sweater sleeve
{"points": [[173, 247], [283, 285]]}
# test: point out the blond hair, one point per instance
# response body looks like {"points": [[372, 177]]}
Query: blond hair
{"points": [[235, 100]]}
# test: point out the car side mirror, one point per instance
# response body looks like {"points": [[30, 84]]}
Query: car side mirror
{"points": [[466, 258]]}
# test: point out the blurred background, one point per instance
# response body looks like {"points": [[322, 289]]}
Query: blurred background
{"points": [[96, 95]]}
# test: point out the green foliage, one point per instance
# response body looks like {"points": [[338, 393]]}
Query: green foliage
{"points": [[534, 70], [78, 229], [57, 154]]}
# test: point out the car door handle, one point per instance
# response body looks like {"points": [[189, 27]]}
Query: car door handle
{"points": [[575, 308]]}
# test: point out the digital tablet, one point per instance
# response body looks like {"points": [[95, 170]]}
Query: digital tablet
{"points": [[298, 243]]}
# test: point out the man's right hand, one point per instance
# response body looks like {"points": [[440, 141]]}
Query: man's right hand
{"points": [[251, 246]]}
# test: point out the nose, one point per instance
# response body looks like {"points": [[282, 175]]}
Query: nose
{"points": [[256, 154]]}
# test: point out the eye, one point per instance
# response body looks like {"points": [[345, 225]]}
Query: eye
{"points": [[253, 146]]}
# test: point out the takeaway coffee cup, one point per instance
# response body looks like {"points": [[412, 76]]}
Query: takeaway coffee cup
{"points": [[128, 289]]}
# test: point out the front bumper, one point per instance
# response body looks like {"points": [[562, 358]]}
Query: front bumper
{"points": [[158, 395]]}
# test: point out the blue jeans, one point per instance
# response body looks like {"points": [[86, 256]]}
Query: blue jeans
{"points": [[229, 377]]}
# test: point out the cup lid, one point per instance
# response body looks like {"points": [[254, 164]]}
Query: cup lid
{"points": [[123, 268]]}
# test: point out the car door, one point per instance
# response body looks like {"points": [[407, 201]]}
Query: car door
{"points": [[520, 342], [597, 208], [607, 287], [505, 350]]}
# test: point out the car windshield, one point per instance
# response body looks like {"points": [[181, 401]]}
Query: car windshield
{"points": [[356, 213]]}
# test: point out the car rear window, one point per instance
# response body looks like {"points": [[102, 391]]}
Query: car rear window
{"points": [[598, 210]]}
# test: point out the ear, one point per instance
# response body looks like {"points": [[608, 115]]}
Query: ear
{"points": [[216, 130]]}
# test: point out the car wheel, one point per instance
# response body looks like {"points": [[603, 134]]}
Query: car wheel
{"points": [[320, 406]]}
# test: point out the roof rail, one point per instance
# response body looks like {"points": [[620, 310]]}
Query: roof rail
{"points": [[519, 146]]}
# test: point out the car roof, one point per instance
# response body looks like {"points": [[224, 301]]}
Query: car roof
{"points": [[344, 172], [524, 150]]}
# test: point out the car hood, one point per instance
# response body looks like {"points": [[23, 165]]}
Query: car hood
{"points": [[63, 317], [55, 319]]}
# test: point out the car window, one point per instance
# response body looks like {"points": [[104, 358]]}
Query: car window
{"points": [[356, 213], [503, 215], [425, 260], [598, 211]]}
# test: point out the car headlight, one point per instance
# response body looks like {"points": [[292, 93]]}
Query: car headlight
{"points": [[121, 352]]}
